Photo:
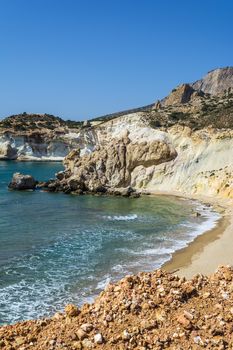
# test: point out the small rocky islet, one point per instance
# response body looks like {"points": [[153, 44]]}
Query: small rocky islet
{"points": [[155, 310], [22, 182]]}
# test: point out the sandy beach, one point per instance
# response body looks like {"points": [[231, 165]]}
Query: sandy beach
{"points": [[209, 250]]}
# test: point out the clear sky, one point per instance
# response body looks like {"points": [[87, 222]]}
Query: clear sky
{"points": [[83, 58]]}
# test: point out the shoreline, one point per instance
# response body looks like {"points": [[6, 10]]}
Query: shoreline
{"points": [[36, 160], [208, 250]]}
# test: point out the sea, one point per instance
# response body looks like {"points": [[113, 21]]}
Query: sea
{"points": [[57, 249]]}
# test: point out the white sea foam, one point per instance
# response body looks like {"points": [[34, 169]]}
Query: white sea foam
{"points": [[193, 230], [104, 282], [158, 254], [156, 251], [121, 217]]}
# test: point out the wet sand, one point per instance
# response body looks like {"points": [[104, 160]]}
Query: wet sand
{"points": [[209, 250]]}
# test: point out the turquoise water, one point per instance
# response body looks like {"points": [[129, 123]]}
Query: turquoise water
{"points": [[57, 248]]}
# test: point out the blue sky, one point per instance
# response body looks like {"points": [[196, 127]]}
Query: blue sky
{"points": [[80, 59]]}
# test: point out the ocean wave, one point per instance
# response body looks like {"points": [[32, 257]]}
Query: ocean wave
{"points": [[156, 251], [121, 217]]}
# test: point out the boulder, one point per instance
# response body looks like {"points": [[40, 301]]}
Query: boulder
{"points": [[71, 310], [126, 192], [22, 182], [7, 151], [60, 175]]}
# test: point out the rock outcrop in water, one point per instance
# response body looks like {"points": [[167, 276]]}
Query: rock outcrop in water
{"points": [[111, 165], [22, 182], [156, 310]]}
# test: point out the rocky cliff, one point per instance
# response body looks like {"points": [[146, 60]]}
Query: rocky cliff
{"points": [[183, 144], [41, 137], [175, 159]]}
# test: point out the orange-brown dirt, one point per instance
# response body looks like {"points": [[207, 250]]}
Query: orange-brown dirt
{"points": [[156, 310]]}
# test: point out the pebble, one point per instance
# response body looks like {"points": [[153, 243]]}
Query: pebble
{"points": [[98, 338], [188, 315], [86, 343], [77, 345], [183, 321], [71, 310], [206, 295], [19, 341], [87, 327], [126, 335], [81, 334], [198, 340]]}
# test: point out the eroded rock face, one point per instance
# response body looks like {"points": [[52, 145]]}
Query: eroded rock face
{"points": [[44, 147], [203, 166], [22, 182], [42, 137], [131, 154], [111, 165]]}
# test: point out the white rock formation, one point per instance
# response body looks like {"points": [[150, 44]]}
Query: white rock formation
{"points": [[177, 159], [45, 148]]}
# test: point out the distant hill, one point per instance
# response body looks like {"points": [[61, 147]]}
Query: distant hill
{"points": [[24, 122], [119, 114], [216, 82]]}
